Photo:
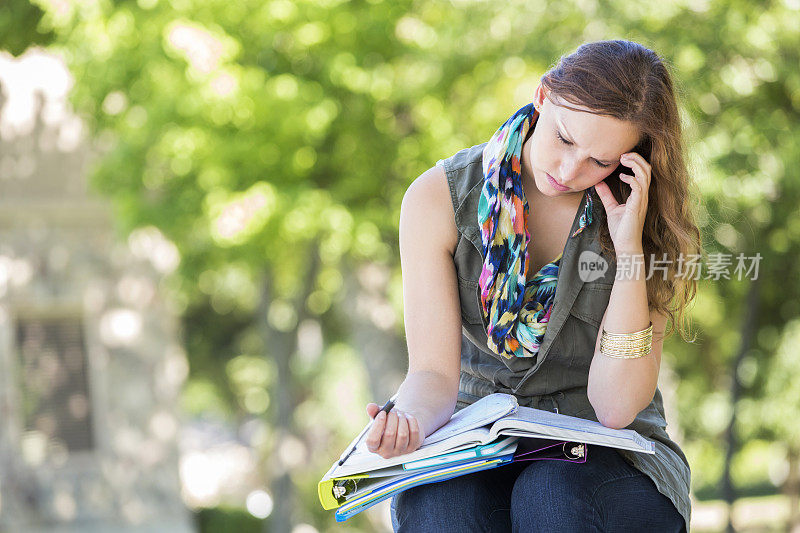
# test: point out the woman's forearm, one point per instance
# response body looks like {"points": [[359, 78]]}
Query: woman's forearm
{"points": [[619, 389]]}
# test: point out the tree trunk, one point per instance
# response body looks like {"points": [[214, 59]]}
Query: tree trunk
{"points": [[384, 352], [791, 488], [281, 346], [748, 329]]}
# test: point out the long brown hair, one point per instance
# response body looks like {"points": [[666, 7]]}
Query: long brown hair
{"points": [[630, 82]]}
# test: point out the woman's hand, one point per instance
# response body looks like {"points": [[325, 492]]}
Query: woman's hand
{"points": [[394, 434], [626, 221]]}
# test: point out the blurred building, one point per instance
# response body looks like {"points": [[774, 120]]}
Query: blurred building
{"points": [[90, 358]]}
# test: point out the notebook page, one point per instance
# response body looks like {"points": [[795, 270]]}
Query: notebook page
{"points": [[481, 413], [467, 427], [364, 460], [558, 426]]}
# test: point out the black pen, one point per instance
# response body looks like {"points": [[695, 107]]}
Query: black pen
{"points": [[386, 408]]}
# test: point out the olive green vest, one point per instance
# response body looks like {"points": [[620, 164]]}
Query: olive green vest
{"points": [[556, 378]]}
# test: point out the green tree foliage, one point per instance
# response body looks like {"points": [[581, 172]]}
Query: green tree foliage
{"points": [[272, 142], [20, 26]]}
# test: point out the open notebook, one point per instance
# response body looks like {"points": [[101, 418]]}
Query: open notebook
{"points": [[493, 431]]}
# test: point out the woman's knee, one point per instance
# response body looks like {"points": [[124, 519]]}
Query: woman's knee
{"points": [[460, 504], [552, 496], [603, 494], [635, 504], [552, 481]]}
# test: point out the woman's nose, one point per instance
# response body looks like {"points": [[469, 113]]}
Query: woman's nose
{"points": [[568, 171]]}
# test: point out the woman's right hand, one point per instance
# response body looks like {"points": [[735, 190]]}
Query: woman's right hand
{"points": [[394, 434]]}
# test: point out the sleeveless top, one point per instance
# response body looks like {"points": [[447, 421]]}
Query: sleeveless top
{"points": [[556, 377]]}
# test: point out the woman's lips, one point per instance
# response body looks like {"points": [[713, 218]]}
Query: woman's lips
{"points": [[555, 184]]}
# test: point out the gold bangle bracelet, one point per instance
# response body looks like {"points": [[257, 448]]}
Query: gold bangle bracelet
{"points": [[636, 334], [625, 354], [616, 355], [627, 345]]}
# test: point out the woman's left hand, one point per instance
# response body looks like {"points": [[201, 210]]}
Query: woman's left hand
{"points": [[626, 221]]}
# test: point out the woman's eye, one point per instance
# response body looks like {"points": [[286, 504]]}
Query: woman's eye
{"points": [[563, 140]]}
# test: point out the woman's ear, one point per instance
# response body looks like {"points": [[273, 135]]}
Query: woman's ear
{"points": [[539, 96]]}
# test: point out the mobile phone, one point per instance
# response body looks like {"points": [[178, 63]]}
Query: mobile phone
{"points": [[619, 188]]}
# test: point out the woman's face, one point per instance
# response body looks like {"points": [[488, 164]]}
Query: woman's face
{"points": [[576, 149]]}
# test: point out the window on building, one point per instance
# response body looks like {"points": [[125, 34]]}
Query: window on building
{"points": [[54, 380]]}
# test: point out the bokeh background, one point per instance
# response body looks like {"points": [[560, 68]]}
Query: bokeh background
{"points": [[199, 272]]}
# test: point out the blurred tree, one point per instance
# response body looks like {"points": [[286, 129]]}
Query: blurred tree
{"points": [[744, 96], [273, 142], [20, 26]]}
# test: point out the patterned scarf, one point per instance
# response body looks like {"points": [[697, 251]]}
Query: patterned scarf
{"points": [[517, 312]]}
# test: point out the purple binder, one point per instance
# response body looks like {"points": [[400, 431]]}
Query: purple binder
{"points": [[530, 449]]}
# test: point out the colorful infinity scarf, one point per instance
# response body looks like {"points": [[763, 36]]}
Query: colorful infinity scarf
{"points": [[517, 312]]}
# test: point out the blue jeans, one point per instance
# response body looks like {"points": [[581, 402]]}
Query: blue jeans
{"points": [[603, 494]]}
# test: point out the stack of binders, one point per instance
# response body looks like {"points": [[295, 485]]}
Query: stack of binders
{"points": [[492, 432]]}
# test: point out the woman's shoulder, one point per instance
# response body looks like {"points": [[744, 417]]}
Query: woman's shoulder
{"points": [[464, 174], [463, 158], [434, 196], [427, 209]]}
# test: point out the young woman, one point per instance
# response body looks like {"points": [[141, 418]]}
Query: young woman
{"points": [[545, 263]]}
